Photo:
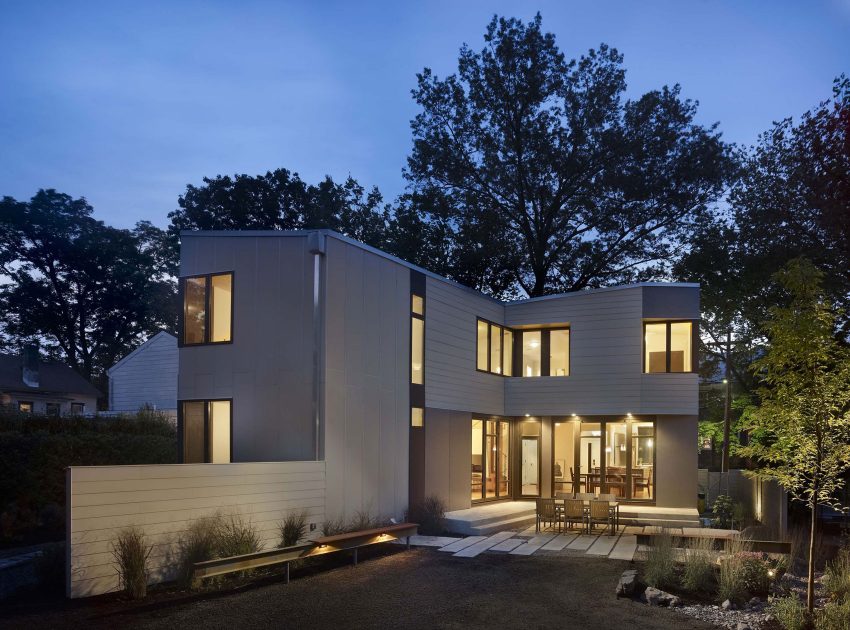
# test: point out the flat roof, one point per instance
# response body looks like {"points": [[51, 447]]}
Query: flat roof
{"points": [[430, 274]]}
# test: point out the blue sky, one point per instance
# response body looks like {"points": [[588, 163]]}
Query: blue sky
{"points": [[126, 103]]}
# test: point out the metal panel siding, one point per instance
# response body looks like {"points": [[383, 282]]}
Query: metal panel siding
{"points": [[267, 369], [448, 447], [670, 302], [367, 337], [676, 461], [451, 380], [148, 376], [164, 500]]}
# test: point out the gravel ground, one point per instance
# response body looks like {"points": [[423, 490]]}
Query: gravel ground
{"points": [[421, 588]]}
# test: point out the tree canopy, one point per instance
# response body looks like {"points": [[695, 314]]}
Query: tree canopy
{"points": [[551, 180], [88, 292]]}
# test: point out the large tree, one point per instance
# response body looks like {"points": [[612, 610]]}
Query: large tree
{"points": [[800, 429], [89, 293], [550, 179]]}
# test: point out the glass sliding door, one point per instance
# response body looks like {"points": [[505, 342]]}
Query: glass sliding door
{"points": [[616, 459], [590, 445], [564, 474], [529, 442], [643, 460], [490, 472]]}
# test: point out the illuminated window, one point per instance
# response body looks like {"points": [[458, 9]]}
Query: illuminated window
{"points": [[417, 417], [207, 312], [205, 427], [25, 406], [494, 348], [531, 351], [559, 352], [508, 352], [417, 339], [668, 347], [482, 361]]}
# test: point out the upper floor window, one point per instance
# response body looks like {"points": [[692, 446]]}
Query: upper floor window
{"points": [[532, 352], [207, 309], [204, 431], [559, 352], [494, 351], [417, 339], [25, 406], [668, 347]]}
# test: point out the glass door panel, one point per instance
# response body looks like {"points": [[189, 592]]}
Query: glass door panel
{"points": [[590, 444], [530, 467], [616, 458], [563, 468], [643, 460], [504, 458], [492, 457], [477, 460]]}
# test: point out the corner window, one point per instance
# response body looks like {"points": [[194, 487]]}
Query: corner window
{"points": [[207, 312], [559, 352], [417, 339], [25, 406], [494, 348], [668, 347], [205, 428]]}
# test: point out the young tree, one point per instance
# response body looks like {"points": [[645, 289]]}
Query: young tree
{"points": [[90, 293], [546, 172], [800, 430]]}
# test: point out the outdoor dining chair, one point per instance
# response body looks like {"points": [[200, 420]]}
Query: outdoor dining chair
{"points": [[573, 512], [547, 513], [600, 513]]}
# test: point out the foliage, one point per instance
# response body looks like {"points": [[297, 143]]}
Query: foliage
{"points": [[362, 519], [790, 613], [37, 449], [49, 568], [833, 616], [293, 528], [722, 511], [334, 526], [755, 573], [88, 292], [836, 578], [130, 551], [430, 515], [800, 431], [237, 536], [199, 543], [549, 179], [698, 575], [659, 570]]}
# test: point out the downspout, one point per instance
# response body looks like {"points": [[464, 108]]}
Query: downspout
{"points": [[316, 244]]}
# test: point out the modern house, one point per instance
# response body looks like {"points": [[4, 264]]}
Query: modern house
{"points": [[147, 377], [311, 346], [34, 386]]}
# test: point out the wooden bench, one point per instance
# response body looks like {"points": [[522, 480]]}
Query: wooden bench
{"points": [[765, 546], [317, 547]]}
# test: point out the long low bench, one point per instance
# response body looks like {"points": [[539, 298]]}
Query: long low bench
{"points": [[317, 547], [765, 546]]}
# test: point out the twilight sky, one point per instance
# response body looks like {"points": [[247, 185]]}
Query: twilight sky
{"points": [[126, 103]]}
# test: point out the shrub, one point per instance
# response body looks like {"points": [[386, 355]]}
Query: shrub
{"points": [[50, 568], [198, 544], [660, 562], [833, 616], [237, 537], [836, 578], [430, 515], [699, 568], [730, 584], [790, 613], [131, 552], [333, 526], [722, 511], [293, 528], [754, 573], [363, 519]]}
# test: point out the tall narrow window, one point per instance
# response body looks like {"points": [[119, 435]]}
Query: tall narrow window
{"points": [[205, 429], [668, 347], [417, 417], [417, 339], [482, 346], [207, 309], [531, 353], [495, 349], [508, 352], [559, 352]]}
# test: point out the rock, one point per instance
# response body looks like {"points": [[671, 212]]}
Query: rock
{"points": [[742, 625], [727, 605], [653, 596], [674, 602], [755, 601], [626, 585]]}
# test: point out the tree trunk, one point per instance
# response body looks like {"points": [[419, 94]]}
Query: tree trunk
{"points": [[810, 590]]}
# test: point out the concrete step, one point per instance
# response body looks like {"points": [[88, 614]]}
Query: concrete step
{"points": [[476, 528]]}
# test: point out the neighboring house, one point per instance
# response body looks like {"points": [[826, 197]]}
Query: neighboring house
{"points": [[146, 377], [33, 386], [310, 345]]}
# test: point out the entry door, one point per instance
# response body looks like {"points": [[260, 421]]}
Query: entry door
{"points": [[530, 466]]}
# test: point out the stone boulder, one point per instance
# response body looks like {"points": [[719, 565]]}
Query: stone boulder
{"points": [[627, 584], [657, 597]]}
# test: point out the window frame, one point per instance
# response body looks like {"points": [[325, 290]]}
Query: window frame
{"points": [[546, 350], [421, 317], [693, 368], [50, 407], [516, 348], [502, 328], [207, 444], [82, 408], [207, 314], [26, 402]]}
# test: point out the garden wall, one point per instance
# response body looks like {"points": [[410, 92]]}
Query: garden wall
{"points": [[762, 499], [163, 500]]}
